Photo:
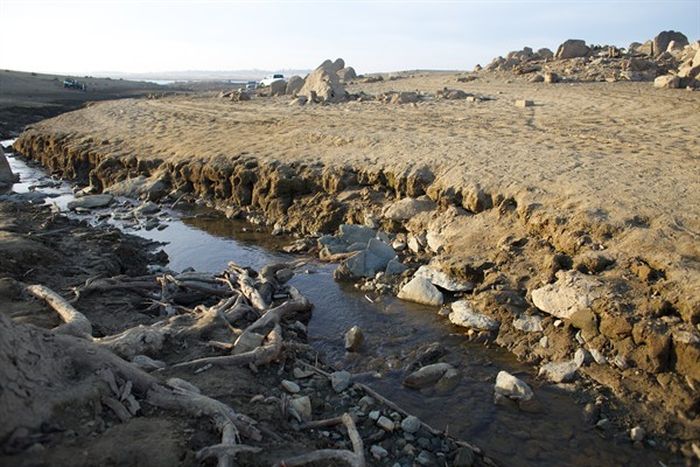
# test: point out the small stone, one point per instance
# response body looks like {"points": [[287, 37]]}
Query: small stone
{"points": [[524, 103], [378, 452], [528, 323], [464, 315], [637, 433], [410, 424], [512, 387], [421, 290], [582, 357], [374, 415], [427, 375], [544, 342], [598, 356], [385, 424], [340, 380], [426, 458], [290, 386], [354, 339], [365, 402], [559, 372], [302, 406]]}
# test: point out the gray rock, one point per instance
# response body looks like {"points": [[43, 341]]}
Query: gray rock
{"points": [[663, 39], [442, 279], [374, 415], [528, 323], [378, 452], [6, 175], [395, 267], [410, 424], [598, 357], [294, 85], [147, 208], [509, 386], [354, 339], [448, 382], [406, 208], [91, 202], [465, 457], [559, 372], [464, 315], [302, 406], [340, 380], [426, 458], [290, 386], [365, 402], [353, 233], [323, 84], [278, 87], [284, 275], [572, 292], [385, 423], [421, 290], [427, 375], [572, 48]]}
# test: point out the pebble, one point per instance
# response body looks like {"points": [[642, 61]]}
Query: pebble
{"points": [[385, 424], [290, 386], [637, 433], [425, 458], [598, 356], [374, 415], [464, 457], [366, 402], [582, 357], [340, 380], [378, 452], [353, 339], [302, 406], [301, 374], [410, 424]]}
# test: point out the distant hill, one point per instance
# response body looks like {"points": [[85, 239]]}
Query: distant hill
{"points": [[200, 75]]}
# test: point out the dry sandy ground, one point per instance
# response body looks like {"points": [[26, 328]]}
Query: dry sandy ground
{"points": [[616, 154]]}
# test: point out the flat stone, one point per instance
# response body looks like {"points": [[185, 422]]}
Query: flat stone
{"points": [[340, 380], [302, 374], [427, 375], [528, 323], [559, 372], [442, 279], [514, 388], [411, 424], [464, 315], [571, 292], [91, 202], [582, 357], [385, 423], [421, 290], [290, 386]]}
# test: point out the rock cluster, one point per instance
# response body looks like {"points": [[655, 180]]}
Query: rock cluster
{"points": [[325, 83], [669, 56]]}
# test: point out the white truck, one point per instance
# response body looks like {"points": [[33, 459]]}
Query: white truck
{"points": [[269, 79]]}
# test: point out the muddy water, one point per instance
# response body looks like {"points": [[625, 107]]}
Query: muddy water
{"points": [[556, 435]]}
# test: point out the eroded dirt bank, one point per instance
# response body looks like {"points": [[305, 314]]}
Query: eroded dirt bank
{"points": [[309, 171]]}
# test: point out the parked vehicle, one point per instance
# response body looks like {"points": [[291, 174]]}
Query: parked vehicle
{"points": [[74, 84], [251, 85], [269, 79]]}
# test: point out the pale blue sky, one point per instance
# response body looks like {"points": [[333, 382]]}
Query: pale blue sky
{"points": [[155, 35]]}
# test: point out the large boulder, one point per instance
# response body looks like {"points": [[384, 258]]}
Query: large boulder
{"points": [[667, 82], [323, 84], [294, 85], [278, 87], [6, 175], [347, 74], [661, 41], [572, 48], [338, 65]]}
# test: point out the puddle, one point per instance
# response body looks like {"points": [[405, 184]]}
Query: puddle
{"points": [[393, 329]]}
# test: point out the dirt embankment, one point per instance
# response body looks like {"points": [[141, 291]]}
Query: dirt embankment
{"points": [[572, 186]]}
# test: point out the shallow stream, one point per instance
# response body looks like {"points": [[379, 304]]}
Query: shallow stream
{"points": [[556, 435]]}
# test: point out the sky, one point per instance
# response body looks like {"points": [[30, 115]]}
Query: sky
{"points": [[62, 36]]}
